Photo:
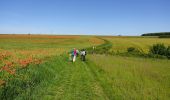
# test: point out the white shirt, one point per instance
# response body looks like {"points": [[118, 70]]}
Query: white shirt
{"points": [[83, 53]]}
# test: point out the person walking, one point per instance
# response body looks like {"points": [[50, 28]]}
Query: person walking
{"points": [[75, 54], [94, 48], [83, 55], [71, 55], [77, 51]]}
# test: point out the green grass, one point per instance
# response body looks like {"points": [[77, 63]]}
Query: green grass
{"points": [[60, 80], [101, 77], [135, 78]]}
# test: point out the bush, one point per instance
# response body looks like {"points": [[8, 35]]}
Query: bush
{"points": [[131, 49], [168, 52], [158, 49]]}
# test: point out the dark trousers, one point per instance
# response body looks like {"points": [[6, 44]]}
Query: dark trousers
{"points": [[83, 58]]}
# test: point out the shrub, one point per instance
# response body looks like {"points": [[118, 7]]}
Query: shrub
{"points": [[131, 49], [168, 52], [158, 49]]}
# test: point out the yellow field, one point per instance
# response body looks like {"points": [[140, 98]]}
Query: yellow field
{"points": [[122, 43]]}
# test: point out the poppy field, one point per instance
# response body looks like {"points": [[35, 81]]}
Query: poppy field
{"points": [[37, 67]]}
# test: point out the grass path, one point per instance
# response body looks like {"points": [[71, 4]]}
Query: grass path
{"points": [[56, 78], [65, 80], [99, 78], [76, 81], [79, 81]]}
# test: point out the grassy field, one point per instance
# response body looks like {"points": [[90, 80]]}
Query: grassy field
{"points": [[122, 43], [14, 48], [135, 78], [36, 67]]}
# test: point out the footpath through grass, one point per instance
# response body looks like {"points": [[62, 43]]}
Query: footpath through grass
{"points": [[75, 81], [58, 79], [99, 78]]}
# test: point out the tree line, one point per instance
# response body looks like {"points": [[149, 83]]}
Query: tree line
{"points": [[160, 34]]}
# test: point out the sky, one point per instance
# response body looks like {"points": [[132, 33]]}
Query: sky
{"points": [[84, 17]]}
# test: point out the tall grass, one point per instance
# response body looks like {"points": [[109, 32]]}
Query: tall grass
{"points": [[101, 77], [121, 44], [31, 79], [135, 78]]}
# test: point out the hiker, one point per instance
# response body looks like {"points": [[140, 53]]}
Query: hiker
{"points": [[71, 55], [77, 51], [94, 48], [75, 54], [83, 55]]}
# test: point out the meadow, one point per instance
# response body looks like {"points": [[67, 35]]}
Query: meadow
{"points": [[134, 78], [121, 43], [36, 67]]}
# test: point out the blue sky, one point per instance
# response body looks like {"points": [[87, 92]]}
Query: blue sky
{"points": [[100, 17]]}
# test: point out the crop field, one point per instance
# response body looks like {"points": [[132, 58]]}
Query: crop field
{"points": [[121, 43], [24, 47], [37, 67]]}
